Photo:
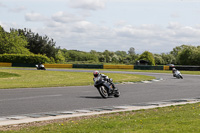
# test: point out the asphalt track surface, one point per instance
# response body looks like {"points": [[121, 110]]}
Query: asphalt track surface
{"points": [[37, 100]]}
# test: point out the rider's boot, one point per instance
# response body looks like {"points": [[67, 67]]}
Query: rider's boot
{"points": [[115, 89]]}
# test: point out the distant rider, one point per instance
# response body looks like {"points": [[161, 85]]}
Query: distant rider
{"points": [[105, 78], [174, 71], [39, 65]]}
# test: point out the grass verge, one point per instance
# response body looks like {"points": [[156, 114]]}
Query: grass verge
{"points": [[155, 71], [33, 78], [134, 70], [8, 75], [173, 119]]}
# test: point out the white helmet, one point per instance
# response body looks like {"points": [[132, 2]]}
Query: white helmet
{"points": [[96, 73]]}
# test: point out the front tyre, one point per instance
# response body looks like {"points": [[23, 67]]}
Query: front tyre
{"points": [[117, 94], [103, 92]]}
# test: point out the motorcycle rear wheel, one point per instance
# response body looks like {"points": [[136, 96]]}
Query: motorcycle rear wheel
{"points": [[103, 92]]}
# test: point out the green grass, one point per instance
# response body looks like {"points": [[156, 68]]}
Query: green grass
{"points": [[173, 119], [8, 75], [33, 78], [134, 70], [155, 71], [169, 71]]}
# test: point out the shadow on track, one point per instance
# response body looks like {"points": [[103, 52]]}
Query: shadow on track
{"points": [[93, 97]]}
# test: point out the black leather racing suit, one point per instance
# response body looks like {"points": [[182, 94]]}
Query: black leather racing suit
{"points": [[173, 71], [106, 78]]}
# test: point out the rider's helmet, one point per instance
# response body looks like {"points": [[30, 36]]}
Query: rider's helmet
{"points": [[173, 69], [96, 73]]}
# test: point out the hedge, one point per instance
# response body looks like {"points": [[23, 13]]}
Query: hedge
{"points": [[22, 58]]}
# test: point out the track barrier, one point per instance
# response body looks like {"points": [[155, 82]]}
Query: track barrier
{"points": [[118, 66], [101, 66], [4, 64], [58, 65]]}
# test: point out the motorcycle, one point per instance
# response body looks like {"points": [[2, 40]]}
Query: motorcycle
{"points": [[40, 67], [178, 74], [105, 88]]}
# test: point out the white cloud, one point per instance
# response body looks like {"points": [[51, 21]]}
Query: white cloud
{"points": [[87, 4], [174, 25], [120, 23], [64, 17], [138, 32], [34, 17], [83, 30], [175, 15], [154, 0], [2, 25], [2, 5], [17, 9], [7, 26], [84, 35]]}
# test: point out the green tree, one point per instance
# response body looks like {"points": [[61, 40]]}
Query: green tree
{"points": [[59, 58], [196, 56], [168, 58], [108, 56], [38, 44], [148, 56], [176, 51], [132, 56], [131, 51], [188, 55], [158, 59], [12, 43], [74, 55], [122, 56]]}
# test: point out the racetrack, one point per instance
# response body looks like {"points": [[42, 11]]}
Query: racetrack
{"points": [[38, 100]]}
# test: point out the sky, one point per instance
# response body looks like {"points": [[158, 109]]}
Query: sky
{"points": [[156, 26]]}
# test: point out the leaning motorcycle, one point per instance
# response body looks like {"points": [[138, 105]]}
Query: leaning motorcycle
{"points": [[40, 67], [105, 88], [178, 74]]}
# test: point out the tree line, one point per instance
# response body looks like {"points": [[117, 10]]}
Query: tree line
{"points": [[24, 41]]}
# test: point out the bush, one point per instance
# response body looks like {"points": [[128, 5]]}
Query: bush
{"points": [[148, 57], [22, 58]]}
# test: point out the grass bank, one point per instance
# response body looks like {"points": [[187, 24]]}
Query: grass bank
{"points": [[173, 119], [33, 78], [134, 70], [155, 71], [8, 75]]}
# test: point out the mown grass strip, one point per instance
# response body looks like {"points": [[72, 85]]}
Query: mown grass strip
{"points": [[8, 75], [156, 71], [129, 70], [173, 119], [34, 78]]}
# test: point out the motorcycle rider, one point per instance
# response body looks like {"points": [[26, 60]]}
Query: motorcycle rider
{"points": [[39, 65], [106, 78], [174, 71]]}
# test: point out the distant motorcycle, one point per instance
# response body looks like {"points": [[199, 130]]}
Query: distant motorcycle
{"points": [[105, 88], [40, 67], [178, 74]]}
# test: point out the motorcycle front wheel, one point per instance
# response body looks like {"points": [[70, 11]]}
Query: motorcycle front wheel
{"points": [[103, 92], [117, 94]]}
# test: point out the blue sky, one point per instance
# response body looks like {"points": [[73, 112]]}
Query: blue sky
{"points": [[153, 25]]}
